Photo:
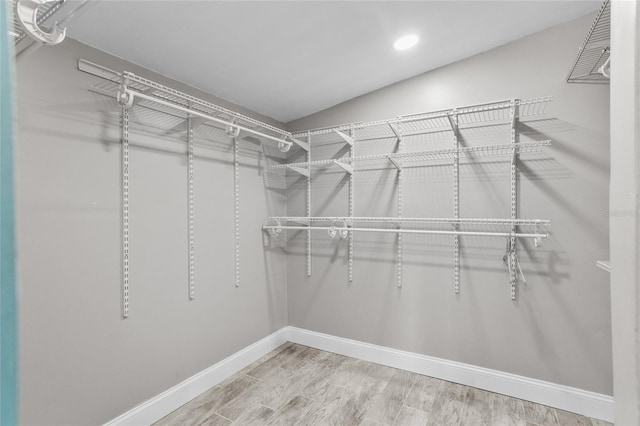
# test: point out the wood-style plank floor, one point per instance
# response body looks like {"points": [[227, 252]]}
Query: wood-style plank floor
{"points": [[298, 385]]}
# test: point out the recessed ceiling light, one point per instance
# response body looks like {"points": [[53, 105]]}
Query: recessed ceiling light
{"points": [[406, 42]]}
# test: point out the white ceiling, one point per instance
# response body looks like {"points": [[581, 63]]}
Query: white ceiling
{"points": [[288, 59]]}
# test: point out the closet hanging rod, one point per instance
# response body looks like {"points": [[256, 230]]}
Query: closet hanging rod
{"points": [[405, 231], [184, 98], [133, 94]]}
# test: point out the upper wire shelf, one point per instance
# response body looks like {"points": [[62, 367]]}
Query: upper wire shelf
{"points": [[157, 97], [595, 51], [409, 220], [423, 123], [405, 159]]}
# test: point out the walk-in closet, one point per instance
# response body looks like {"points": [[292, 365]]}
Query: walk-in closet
{"points": [[320, 212]]}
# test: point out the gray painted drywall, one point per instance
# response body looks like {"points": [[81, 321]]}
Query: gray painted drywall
{"points": [[559, 328], [625, 207], [80, 362]]}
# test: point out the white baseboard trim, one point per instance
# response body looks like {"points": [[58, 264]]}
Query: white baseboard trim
{"points": [[579, 401], [567, 398], [159, 406]]}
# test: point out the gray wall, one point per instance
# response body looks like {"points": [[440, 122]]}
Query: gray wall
{"points": [[80, 363], [559, 328]]}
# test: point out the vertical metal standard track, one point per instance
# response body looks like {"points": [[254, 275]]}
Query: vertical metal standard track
{"points": [[125, 211], [453, 119], [400, 203], [514, 197], [236, 196], [190, 208], [351, 196], [309, 204]]}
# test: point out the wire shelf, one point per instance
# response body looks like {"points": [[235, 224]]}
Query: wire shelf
{"points": [[430, 122], [406, 159], [595, 50], [349, 221], [111, 82]]}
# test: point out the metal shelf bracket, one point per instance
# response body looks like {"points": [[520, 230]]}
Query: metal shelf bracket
{"points": [[304, 172], [396, 163], [301, 144], [348, 139], [344, 166]]}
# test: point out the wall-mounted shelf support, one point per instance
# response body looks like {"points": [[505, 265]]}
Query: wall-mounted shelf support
{"points": [[308, 206], [300, 170], [352, 154], [396, 131], [453, 121], [512, 246], [344, 166], [400, 187], [348, 139], [233, 133], [301, 144], [190, 212], [396, 163], [124, 125]]}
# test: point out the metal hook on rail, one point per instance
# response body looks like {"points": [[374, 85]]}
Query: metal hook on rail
{"points": [[332, 231], [284, 146], [536, 240], [277, 230], [605, 69], [233, 131], [124, 98], [344, 232], [507, 258], [27, 11]]}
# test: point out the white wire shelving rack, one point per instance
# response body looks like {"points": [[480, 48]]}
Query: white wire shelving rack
{"points": [[453, 121], [592, 63], [133, 91]]}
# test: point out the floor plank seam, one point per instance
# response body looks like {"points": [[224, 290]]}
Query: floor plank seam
{"points": [[218, 414]]}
